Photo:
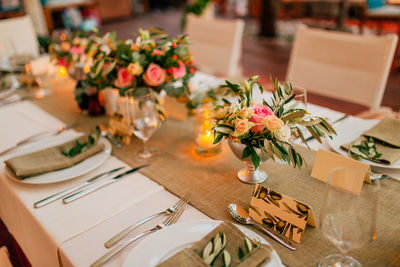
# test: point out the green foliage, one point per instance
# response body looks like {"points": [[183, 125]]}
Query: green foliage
{"points": [[80, 147]]}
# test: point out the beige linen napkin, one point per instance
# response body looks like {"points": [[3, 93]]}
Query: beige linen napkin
{"points": [[234, 239], [387, 134], [50, 159]]}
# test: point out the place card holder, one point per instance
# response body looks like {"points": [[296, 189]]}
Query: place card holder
{"points": [[325, 161], [280, 213]]}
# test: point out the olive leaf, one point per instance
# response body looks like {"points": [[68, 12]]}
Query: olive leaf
{"points": [[226, 258], [214, 247], [79, 147]]}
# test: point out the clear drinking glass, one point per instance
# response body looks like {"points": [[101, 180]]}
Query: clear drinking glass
{"points": [[142, 118], [301, 97], [348, 220]]}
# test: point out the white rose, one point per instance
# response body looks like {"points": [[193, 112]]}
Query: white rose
{"points": [[283, 134], [105, 49]]}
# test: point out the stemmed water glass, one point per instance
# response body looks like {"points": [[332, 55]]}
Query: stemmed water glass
{"points": [[301, 97], [142, 118], [348, 220]]}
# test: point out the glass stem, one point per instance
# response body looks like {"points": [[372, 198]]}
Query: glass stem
{"points": [[145, 147]]}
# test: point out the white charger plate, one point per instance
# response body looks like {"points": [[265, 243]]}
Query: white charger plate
{"points": [[348, 131], [75, 171], [163, 244]]}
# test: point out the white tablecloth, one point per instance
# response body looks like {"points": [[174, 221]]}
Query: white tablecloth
{"points": [[74, 234]]}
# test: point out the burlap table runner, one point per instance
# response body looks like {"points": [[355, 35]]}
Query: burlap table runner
{"points": [[214, 185], [50, 159], [234, 239]]}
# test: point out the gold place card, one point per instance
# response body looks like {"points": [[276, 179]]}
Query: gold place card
{"points": [[280, 213], [325, 161]]}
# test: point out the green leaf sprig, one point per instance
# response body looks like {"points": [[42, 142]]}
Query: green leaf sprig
{"points": [[80, 147], [250, 247], [367, 148]]}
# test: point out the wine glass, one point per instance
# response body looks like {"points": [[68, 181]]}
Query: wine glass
{"points": [[348, 220], [142, 118], [300, 98]]}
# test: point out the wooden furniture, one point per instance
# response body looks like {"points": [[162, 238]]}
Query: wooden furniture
{"points": [[111, 9], [59, 6], [340, 65], [216, 44]]}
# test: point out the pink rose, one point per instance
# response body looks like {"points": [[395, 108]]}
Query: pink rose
{"points": [[124, 78], [154, 75], [157, 52], [260, 112], [179, 72], [76, 50]]}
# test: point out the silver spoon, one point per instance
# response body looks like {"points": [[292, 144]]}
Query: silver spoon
{"points": [[243, 217]]}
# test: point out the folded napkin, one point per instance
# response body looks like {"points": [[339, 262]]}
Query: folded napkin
{"points": [[386, 139], [51, 159], [189, 257]]}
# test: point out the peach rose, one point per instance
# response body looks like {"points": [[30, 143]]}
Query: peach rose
{"points": [[65, 46], [241, 127], [260, 112], [272, 123], [135, 47], [124, 78], [154, 75], [179, 72], [135, 68], [220, 113], [245, 113]]}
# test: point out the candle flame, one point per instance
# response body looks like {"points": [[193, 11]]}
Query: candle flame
{"points": [[62, 72]]}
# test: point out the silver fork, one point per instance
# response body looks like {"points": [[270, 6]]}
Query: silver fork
{"points": [[38, 135], [172, 218], [129, 229]]}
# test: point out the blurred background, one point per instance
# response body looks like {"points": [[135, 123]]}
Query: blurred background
{"points": [[270, 26]]}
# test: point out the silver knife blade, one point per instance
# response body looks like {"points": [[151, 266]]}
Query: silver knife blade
{"points": [[63, 193], [90, 189]]}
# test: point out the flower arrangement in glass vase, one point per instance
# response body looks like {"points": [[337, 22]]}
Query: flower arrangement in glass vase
{"points": [[152, 61], [258, 131]]}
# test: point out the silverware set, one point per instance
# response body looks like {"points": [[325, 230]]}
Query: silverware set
{"points": [[173, 212], [72, 193]]}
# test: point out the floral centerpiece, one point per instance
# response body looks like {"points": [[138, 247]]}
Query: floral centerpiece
{"points": [[81, 48], [257, 131], [152, 61]]}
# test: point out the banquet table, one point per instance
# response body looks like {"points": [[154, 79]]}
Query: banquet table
{"points": [[74, 234]]}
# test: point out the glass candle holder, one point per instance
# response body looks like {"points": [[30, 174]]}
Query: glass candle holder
{"points": [[204, 135]]}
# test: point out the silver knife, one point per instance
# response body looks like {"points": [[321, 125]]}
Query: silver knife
{"points": [[61, 194], [93, 188]]}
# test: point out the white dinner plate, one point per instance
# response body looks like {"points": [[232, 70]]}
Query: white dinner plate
{"points": [[75, 171], [163, 244], [348, 131]]}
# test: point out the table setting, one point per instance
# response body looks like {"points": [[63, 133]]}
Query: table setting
{"points": [[229, 183]]}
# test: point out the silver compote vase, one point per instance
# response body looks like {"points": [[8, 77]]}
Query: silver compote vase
{"points": [[249, 174]]}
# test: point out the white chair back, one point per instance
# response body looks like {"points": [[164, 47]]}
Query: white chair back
{"points": [[18, 37], [216, 44], [344, 66]]}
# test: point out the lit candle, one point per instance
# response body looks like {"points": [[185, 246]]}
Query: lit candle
{"points": [[205, 140], [62, 72]]}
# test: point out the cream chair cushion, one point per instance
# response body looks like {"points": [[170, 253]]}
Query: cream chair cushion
{"points": [[345, 66], [18, 37], [216, 44]]}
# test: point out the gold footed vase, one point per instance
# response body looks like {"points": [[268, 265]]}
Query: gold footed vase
{"points": [[249, 174]]}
